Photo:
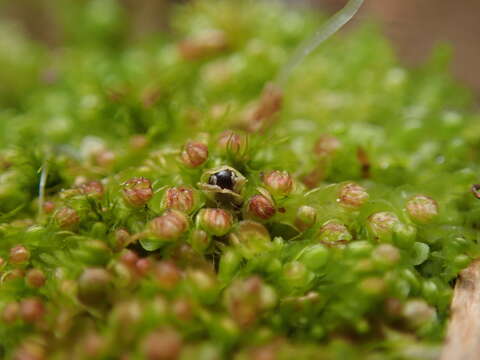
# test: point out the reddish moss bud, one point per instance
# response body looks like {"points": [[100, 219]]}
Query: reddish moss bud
{"points": [[233, 144], [422, 209], [94, 286], [67, 218], [138, 142], [31, 310], [10, 312], [35, 278], [334, 232], [170, 226], [48, 207], [19, 254], [122, 238], [386, 254], [129, 258], [418, 313], [382, 224], [279, 183], [306, 217], [180, 198], [92, 189], [194, 154], [143, 266], [352, 195], [217, 222], [163, 344], [260, 207], [203, 45], [326, 146], [247, 298], [167, 274], [137, 191]]}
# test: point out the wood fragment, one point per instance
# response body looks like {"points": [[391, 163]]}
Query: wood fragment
{"points": [[463, 334]]}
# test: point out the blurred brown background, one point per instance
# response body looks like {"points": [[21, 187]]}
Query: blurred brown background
{"points": [[415, 26]]}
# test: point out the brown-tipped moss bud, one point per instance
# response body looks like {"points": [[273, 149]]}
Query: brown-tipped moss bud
{"points": [[92, 189], [122, 238], [194, 154], [259, 207], [129, 258], [246, 299], [278, 183], [10, 312], [48, 207], [203, 45], [200, 240], [170, 226], [137, 191], [180, 198], [35, 278], [216, 222], [250, 238], [382, 225], [373, 286], [165, 344], [306, 217], [143, 266], [19, 254], [326, 146], [67, 218], [94, 286], [334, 232], [352, 195], [422, 209], [386, 254], [31, 310], [233, 144], [418, 313], [167, 274]]}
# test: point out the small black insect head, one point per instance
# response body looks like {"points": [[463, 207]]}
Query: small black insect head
{"points": [[224, 179]]}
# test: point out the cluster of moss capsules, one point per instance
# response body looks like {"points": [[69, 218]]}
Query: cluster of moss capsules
{"points": [[163, 200]]}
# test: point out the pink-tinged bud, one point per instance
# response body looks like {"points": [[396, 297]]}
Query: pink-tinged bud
{"points": [[19, 254], [262, 114], [122, 238], [170, 226], [144, 266], [422, 209], [137, 191], [35, 278], [138, 142], [67, 218], [183, 309], [352, 196], [194, 154], [306, 217], [165, 344], [93, 345], [250, 238], [203, 45], [216, 222], [233, 144], [13, 274], [200, 240], [167, 274], [418, 313], [48, 207], [386, 254], [129, 258], [260, 207], [180, 198], [279, 183], [326, 146], [31, 310], [334, 232], [246, 299], [11, 312], [92, 189], [94, 286], [105, 159], [382, 224]]}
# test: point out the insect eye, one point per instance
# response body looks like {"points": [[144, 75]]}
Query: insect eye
{"points": [[224, 179]]}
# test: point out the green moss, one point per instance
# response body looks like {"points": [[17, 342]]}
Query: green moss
{"points": [[105, 108]]}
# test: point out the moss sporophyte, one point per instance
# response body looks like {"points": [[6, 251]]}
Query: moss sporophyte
{"points": [[220, 201]]}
